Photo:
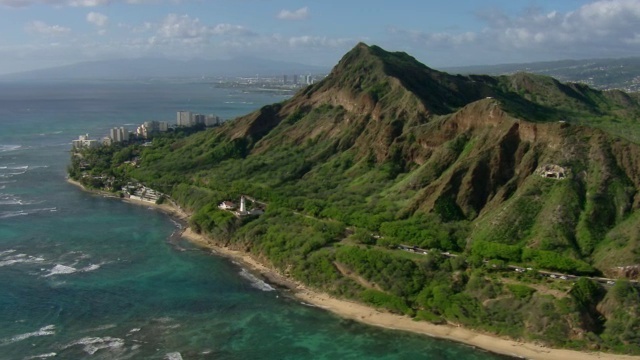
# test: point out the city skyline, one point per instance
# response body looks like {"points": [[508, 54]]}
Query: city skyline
{"points": [[48, 33]]}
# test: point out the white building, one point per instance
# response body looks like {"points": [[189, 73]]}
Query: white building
{"points": [[227, 205], [118, 135], [85, 142], [211, 120], [150, 127], [184, 118]]}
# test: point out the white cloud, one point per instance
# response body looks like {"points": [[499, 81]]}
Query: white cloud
{"points": [[602, 27], [299, 14], [73, 3], [97, 19], [183, 28], [88, 3], [229, 29], [316, 41], [39, 27]]}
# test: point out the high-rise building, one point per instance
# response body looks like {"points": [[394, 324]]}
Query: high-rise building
{"points": [[295, 79], [119, 135], [198, 119], [124, 134], [184, 118], [113, 134], [284, 79], [211, 120]]}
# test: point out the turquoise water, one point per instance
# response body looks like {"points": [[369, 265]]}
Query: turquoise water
{"points": [[87, 277]]}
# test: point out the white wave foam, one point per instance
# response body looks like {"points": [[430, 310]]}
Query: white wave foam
{"points": [[10, 214], [100, 328], [42, 356], [91, 345], [5, 148], [5, 252], [44, 331], [307, 304], [255, 282], [61, 270], [173, 356], [20, 258], [91, 267]]}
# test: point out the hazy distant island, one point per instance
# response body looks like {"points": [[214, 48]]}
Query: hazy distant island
{"points": [[506, 205]]}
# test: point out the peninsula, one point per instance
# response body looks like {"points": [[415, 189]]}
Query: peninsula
{"points": [[413, 199]]}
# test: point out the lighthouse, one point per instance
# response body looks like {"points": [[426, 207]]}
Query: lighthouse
{"points": [[243, 207]]}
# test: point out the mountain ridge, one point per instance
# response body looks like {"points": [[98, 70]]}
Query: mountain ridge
{"points": [[519, 170]]}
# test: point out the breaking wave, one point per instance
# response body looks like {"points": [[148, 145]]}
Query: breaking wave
{"points": [[42, 356], [10, 214], [19, 258], [65, 270], [5, 148], [173, 356], [255, 282], [44, 331], [91, 345]]}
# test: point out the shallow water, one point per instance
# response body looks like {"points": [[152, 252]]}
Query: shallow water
{"points": [[88, 277]]}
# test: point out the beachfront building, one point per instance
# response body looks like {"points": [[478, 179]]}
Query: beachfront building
{"points": [[84, 142], [211, 120], [150, 127], [198, 119], [119, 135], [184, 118]]}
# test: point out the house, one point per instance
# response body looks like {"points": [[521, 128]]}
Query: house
{"points": [[227, 205]]}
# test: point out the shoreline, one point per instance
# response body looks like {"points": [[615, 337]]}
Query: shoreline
{"points": [[369, 315]]}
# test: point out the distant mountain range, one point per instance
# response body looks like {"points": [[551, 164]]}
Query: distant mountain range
{"points": [[146, 68], [601, 74]]}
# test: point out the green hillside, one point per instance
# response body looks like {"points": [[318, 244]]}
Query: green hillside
{"points": [[512, 170]]}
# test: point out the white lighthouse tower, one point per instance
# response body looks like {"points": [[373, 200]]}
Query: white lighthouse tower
{"points": [[243, 207]]}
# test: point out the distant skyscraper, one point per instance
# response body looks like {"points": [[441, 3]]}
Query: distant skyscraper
{"points": [[295, 79], [124, 134], [198, 119], [211, 120], [284, 79], [113, 134], [184, 118]]}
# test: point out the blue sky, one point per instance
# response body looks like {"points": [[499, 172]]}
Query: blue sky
{"points": [[45, 33]]}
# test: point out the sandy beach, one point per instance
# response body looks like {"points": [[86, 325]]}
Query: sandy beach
{"points": [[371, 316]]}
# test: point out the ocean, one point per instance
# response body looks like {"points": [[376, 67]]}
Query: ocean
{"points": [[88, 277]]}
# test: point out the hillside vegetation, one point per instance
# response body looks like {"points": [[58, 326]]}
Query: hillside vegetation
{"points": [[386, 151]]}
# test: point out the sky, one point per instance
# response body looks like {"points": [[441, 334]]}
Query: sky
{"points": [[46, 33]]}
